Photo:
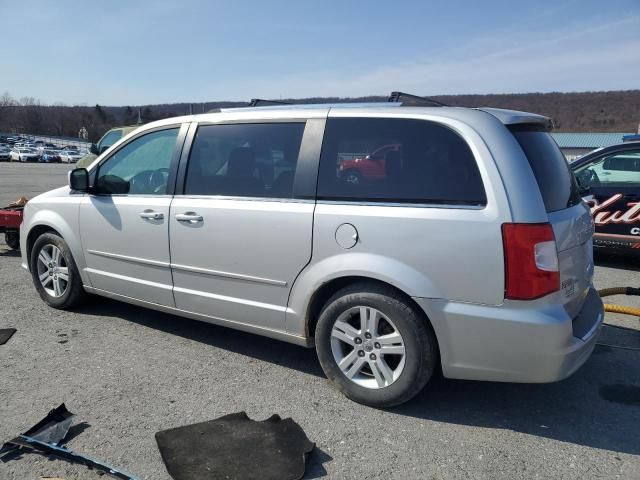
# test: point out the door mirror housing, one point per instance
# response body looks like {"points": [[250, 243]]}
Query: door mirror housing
{"points": [[94, 149], [79, 180]]}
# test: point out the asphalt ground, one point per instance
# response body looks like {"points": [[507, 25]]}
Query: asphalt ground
{"points": [[128, 373]]}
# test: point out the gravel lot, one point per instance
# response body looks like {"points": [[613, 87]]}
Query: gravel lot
{"points": [[129, 372]]}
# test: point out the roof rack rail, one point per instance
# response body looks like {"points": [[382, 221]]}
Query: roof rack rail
{"points": [[255, 102], [397, 96]]}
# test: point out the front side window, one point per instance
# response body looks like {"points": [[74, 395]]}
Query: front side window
{"points": [[397, 160], [614, 170], [141, 167], [244, 160]]}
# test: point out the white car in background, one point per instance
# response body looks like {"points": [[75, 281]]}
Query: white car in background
{"points": [[70, 156], [22, 154]]}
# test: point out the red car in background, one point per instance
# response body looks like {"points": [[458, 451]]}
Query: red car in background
{"points": [[371, 167]]}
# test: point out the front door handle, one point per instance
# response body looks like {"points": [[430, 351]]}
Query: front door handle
{"points": [[189, 217], [150, 214]]}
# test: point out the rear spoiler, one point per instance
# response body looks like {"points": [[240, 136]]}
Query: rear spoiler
{"points": [[515, 117]]}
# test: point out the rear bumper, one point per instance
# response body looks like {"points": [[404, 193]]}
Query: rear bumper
{"points": [[527, 342]]}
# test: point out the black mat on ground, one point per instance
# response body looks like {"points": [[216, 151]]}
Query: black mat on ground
{"points": [[236, 447], [5, 334]]}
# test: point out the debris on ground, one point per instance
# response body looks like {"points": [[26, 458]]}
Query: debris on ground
{"points": [[6, 334], [48, 437], [236, 447]]}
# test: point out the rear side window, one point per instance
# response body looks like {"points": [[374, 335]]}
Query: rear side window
{"points": [[555, 179], [244, 160], [397, 161]]}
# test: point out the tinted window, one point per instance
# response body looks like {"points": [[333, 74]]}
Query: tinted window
{"points": [[397, 160], [142, 166], [555, 180], [618, 169], [245, 160]]}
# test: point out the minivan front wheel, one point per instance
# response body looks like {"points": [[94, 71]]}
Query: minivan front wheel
{"points": [[54, 272], [374, 346]]}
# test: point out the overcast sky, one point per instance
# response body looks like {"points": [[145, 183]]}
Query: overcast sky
{"points": [[155, 51]]}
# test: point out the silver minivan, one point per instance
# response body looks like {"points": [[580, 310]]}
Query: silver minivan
{"points": [[395, 240]]}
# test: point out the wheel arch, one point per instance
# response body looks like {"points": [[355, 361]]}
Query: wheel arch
{"points": [[46, 220], [322, 294], [33, 235]]}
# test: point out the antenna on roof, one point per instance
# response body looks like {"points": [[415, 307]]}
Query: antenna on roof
{"points": [[397, 96], [255, 102]]}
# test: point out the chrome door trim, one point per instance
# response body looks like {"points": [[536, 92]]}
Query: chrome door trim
{"points": [[129, 279], [188, 268], [127, 258], [236, 276], [226, 298], [255, 329], [400, 204], [246, 199]]}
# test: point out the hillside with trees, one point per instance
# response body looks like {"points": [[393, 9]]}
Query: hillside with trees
{"points": [[614, 111]]}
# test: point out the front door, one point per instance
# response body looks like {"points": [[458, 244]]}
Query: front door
{"points": [[125, 224], [238, 238]]}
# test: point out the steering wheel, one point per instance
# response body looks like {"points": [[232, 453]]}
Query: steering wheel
{"points": [[588, 178], [138, 183], [149, 181], [158, 180]]}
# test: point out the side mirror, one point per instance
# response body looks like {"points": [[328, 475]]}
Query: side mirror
{"points": [[79, 180], [94, 149]]}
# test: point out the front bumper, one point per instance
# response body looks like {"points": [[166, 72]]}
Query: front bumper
{"points": [[527, 342]]}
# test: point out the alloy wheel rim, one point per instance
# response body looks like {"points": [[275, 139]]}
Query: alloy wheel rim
{"points": [[367, 347], [53, 271]]}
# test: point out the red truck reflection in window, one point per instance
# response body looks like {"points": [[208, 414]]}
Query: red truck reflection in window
{"points": [[371, 167]]}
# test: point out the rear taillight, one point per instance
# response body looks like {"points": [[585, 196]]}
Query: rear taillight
{"points": [[531, 260]]}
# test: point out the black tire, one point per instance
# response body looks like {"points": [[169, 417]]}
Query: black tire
{"points": [[421, 349], [12, 239], [74, 293]]}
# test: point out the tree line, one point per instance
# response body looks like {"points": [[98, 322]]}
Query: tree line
{"points": [[612, 111]]}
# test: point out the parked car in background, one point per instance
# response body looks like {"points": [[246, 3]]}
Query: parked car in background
{"points": [[70, 156], [5, 154], [24, 154], [471, 254], [370, 167], [50, 156], [609, 181], [108, 139]]}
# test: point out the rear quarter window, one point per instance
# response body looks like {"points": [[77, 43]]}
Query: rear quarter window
{"points": [[555, 180], [397, 160]]}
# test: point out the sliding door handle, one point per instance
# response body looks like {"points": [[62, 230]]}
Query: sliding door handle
{"points": [[189, 217]]}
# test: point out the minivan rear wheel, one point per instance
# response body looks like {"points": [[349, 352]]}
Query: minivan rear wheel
{"points": [[54, 272], [374, 346]]}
